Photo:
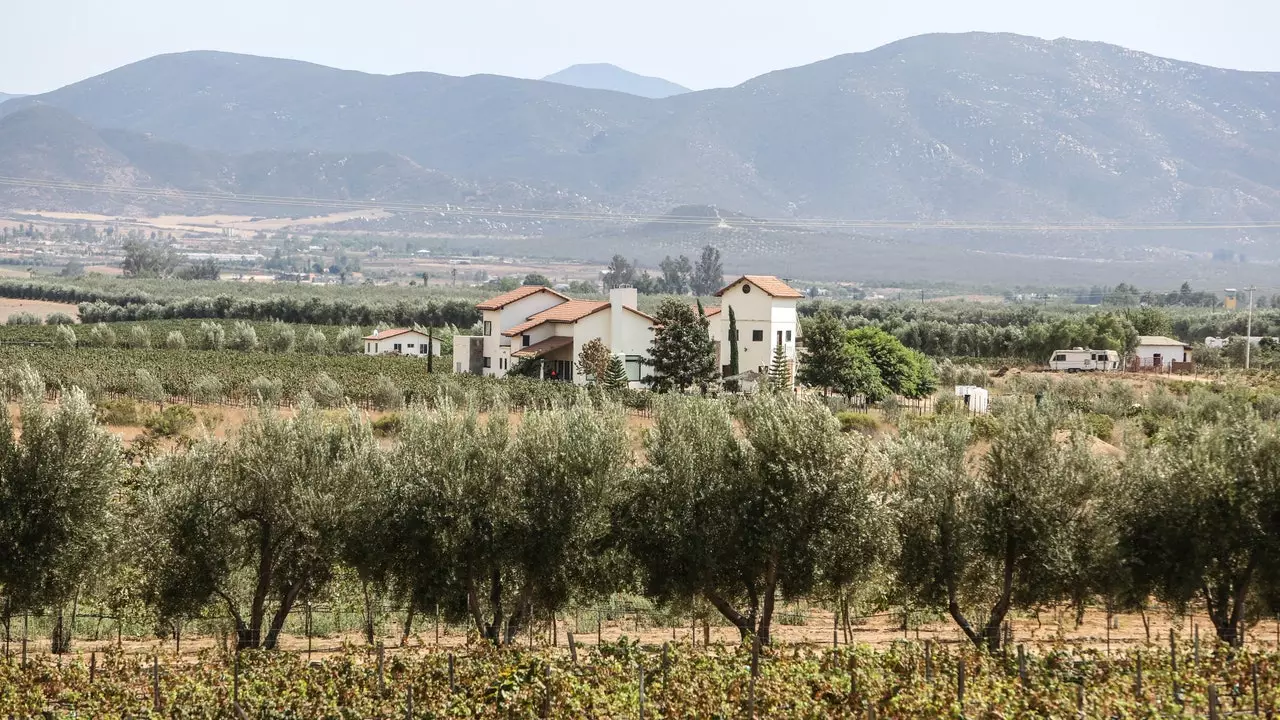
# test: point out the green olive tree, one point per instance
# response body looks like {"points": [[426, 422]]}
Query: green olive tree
{"points": [[743, 521], [1207, 528], [981, 535], [255, 522], [58, 480]]}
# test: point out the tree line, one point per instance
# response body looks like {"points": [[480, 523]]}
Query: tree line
{"points": [[740, 505]]}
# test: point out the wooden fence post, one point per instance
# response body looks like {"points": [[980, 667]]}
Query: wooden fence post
{"points": [[573, 649], [1195, 642], [1022, 664], [155, 682], [1173, 662], [1213, 702], [546, 690], [1137, 689], [408, 704], [1253, 676], [641, 668], [235, 682], [960, 684], [452, 687], [382, 688], [93, 667]]}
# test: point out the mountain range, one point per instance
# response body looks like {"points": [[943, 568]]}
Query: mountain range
{"points": [[603, 76], [7, 96], [981, 128]]}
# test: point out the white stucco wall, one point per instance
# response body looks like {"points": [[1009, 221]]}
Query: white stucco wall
{"points": [[756, 310], [414, 338], [511, 315], [1168, 354]]}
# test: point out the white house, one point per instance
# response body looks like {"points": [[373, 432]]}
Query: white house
{"points": [[543, 324], [1158, 351], [401, 341], [764, 310]]}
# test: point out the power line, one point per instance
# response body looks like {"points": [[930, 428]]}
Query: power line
{"points": [[635, 218]]}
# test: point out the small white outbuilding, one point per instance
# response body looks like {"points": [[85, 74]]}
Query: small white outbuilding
{"points": [[1158, 351], [401, 341], [974, 399]]}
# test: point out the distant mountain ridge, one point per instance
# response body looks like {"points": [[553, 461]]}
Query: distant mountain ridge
{"points": [[983, 128], [603, 76], [7, 96]]}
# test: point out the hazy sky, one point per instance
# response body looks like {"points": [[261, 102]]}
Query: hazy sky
{"points": [[50, 43]]}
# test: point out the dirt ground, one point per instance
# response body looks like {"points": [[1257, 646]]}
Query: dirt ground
{"points": [[881, 631], [39, 308]]}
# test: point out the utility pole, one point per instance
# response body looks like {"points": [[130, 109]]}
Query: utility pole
{"points": [[1248, 340]]}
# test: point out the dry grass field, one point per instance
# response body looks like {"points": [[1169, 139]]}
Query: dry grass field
{"points": [[39, 308]]}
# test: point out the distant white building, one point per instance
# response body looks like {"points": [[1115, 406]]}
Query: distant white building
{"points": [[538, 323], [1158, 351], [401, 341], [544, 324], [764, 310]]}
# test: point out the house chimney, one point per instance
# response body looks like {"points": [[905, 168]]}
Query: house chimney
{"points": [[619, 298], [624, 296]]}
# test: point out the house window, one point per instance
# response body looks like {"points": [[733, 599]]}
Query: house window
{"points": [[375, 347], [525, 339], [779, 337], [633, 363], [396, 347], [788, 336], [488, 328], [757, 335], [745, 288], [423, 349], [410, 346], [486, 361]]}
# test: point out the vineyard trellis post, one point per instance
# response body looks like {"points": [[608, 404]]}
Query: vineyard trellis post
{"points": [[382, 687], [1195, 642], [640, 669], [452, 684], [960, 684], [546, 690], [93, 666], [573, 649], [1253, 677], [1213, 702], [408, 704], [1022, 664], [1137, 688], [928, 660], [155, 681], [1173, 662]]}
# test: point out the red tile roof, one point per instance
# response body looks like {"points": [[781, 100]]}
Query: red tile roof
{"points": [[506, 298], [768, 283], [566, 312], [388, 333], [709, 311]]}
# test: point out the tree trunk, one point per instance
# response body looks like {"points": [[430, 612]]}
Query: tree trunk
{"points": [[408, 625], [257, 612], [368, 614], [282, 614], [730, 613]]}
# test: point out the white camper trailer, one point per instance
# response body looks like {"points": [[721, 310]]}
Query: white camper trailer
{"points": [[1082, 360]]}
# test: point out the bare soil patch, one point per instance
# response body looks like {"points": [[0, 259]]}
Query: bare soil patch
{"points": [[39, 308]]}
